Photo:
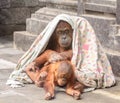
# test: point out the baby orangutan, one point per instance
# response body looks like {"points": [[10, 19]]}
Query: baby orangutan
{"points": [[58, 74]]}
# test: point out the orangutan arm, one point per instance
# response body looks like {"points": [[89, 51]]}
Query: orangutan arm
{"points": [[67, 54]]}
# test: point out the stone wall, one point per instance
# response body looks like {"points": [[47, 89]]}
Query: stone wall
{"points": [[13, 14]]}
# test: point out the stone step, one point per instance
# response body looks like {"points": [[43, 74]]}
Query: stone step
{"points": [[35, 26], [114, 58], [48, 13], [41, 16], [115, 30], [106, 2], [21, 3], [69, 5], [101, 25], [114, 34], [100, 22], [54, 11], [23, 40], [100, 8]]}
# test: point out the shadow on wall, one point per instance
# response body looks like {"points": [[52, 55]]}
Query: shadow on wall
{"points": [[13, 14], [3, 16]]}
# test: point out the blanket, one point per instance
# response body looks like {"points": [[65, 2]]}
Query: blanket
{"points": [[92, 66]]}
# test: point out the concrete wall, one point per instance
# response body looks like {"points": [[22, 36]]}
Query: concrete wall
{"points": [[13, 14]]}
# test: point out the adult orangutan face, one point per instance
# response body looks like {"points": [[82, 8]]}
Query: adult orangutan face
{"points": [[64, 34]]}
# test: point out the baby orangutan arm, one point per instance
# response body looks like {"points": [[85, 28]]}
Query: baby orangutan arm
{"points": [[49, 86], [38, 76]]}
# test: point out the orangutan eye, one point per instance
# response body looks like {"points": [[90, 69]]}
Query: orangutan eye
{"points": [[59, 32], [66, 31]]}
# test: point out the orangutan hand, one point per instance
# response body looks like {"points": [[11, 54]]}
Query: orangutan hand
{"points": [[55, 57], [32, 67]]}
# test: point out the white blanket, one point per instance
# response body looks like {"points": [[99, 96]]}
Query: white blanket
{"points": [[92, 66]]}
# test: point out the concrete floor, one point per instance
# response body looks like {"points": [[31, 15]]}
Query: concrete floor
{"points": [[32, 94]]}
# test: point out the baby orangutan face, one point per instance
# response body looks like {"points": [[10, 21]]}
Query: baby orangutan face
{"points": [[63, 73]]}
